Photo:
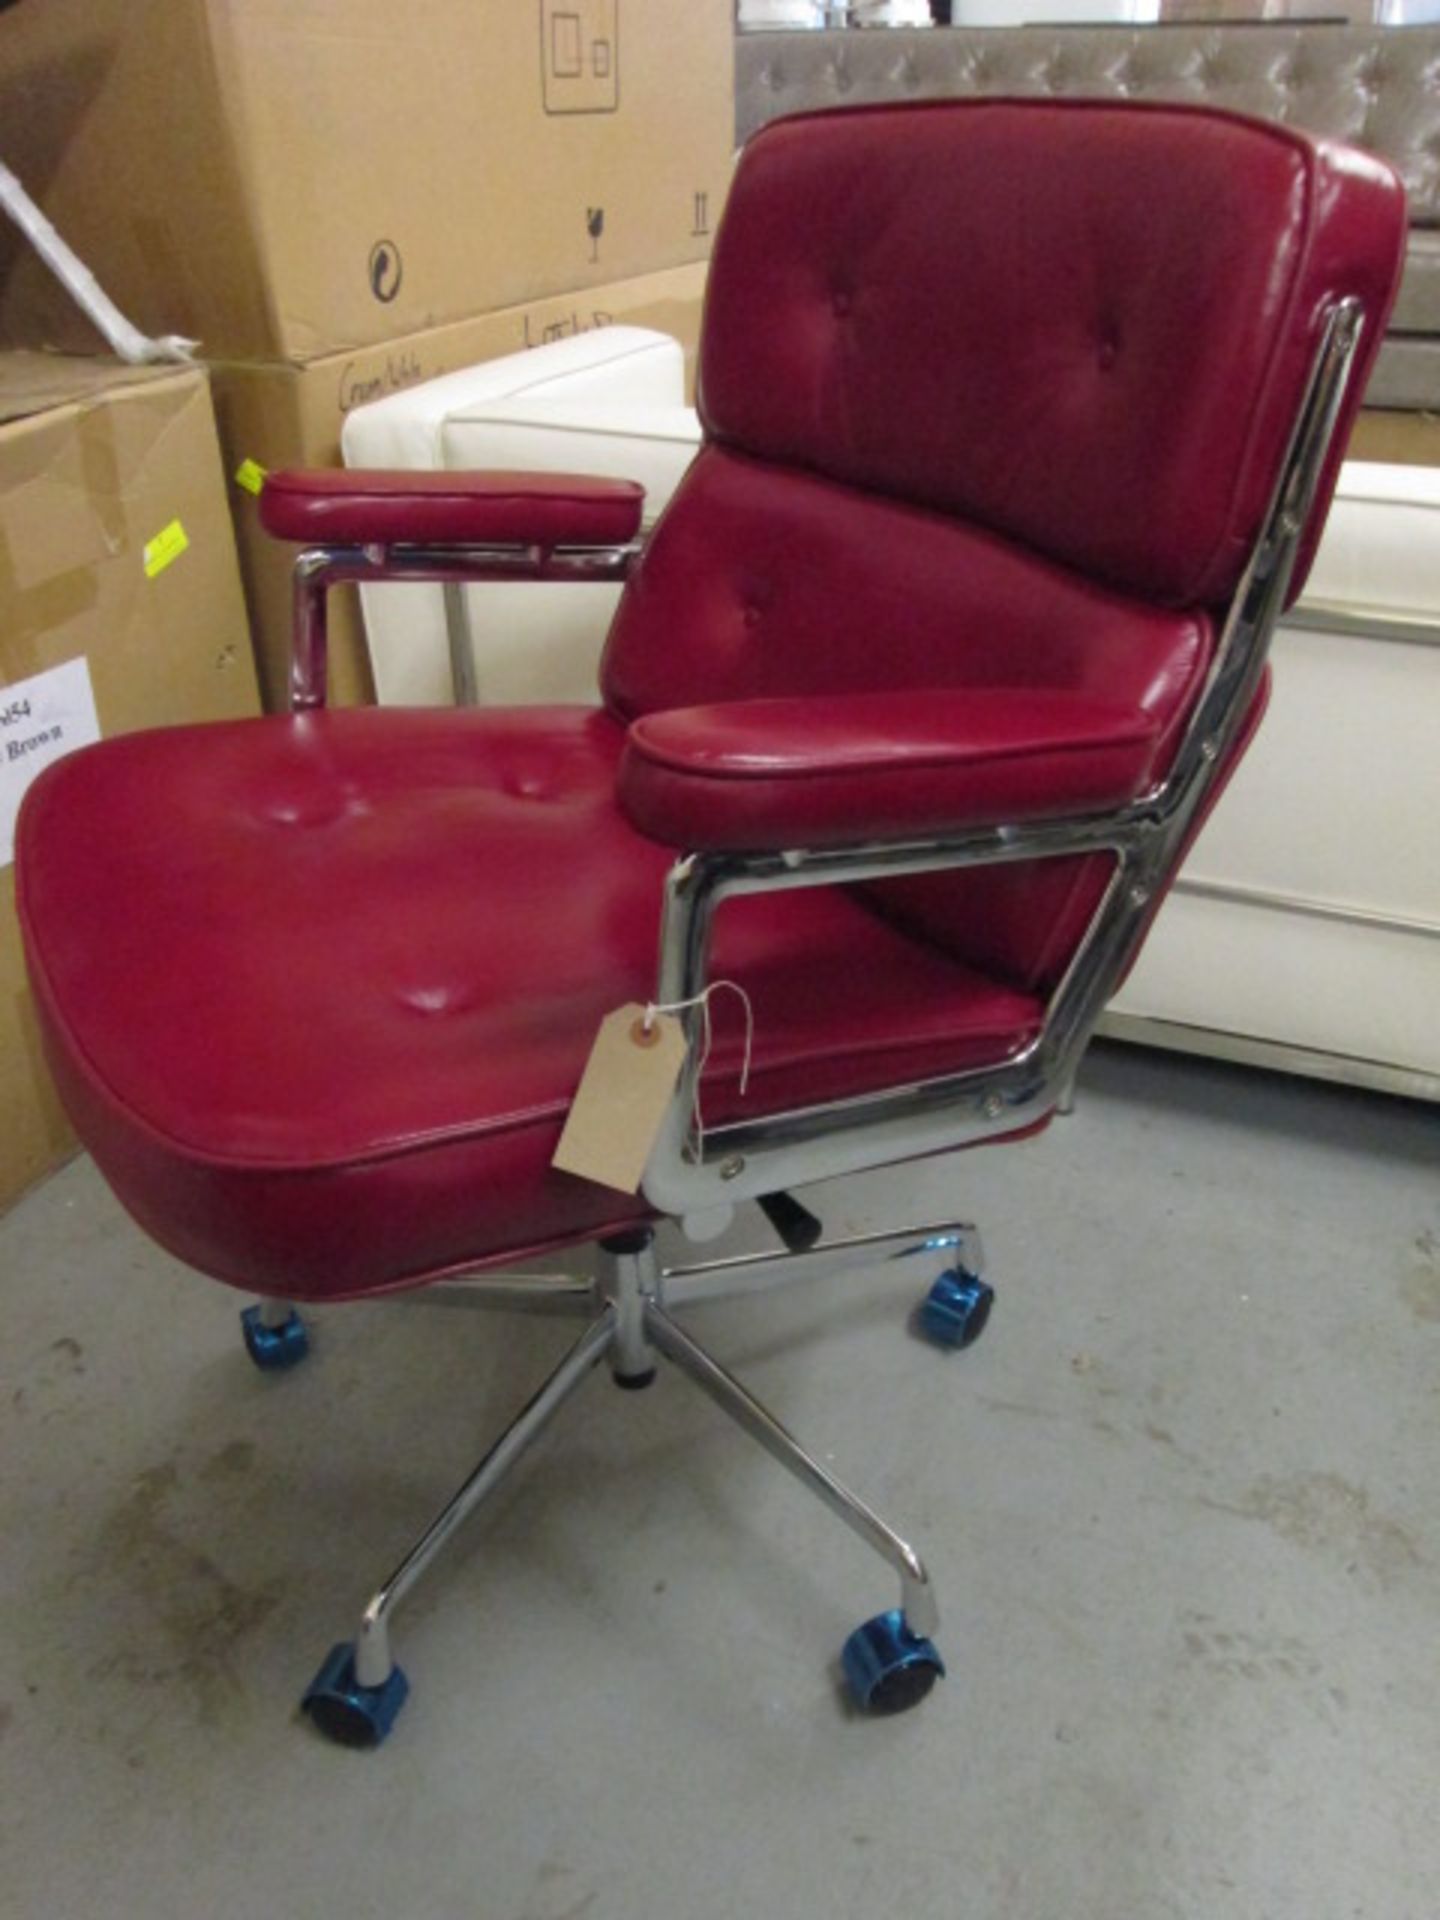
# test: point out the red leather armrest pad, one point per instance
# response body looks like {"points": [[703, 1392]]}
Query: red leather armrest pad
{"points": [[348, 508], [760, 775]]}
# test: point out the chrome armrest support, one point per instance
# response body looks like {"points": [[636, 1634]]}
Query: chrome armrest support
{"points": [[318, 569], [1146, 839]]}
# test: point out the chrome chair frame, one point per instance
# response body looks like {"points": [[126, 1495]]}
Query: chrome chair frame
{"points": [[318, 569], [747, 1158], [628, 1300]]}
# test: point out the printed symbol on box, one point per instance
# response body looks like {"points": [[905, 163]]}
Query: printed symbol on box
{"points": [[580, 55], [565, 61], [386, 270], [595, 226], [702, 216]]}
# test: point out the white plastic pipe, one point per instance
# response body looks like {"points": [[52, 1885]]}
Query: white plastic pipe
{"points": [[126, 340]]}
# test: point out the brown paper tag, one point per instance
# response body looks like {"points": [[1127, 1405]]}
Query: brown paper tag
{"points": [[620, 1104]]}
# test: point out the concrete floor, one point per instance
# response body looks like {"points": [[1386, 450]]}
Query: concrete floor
{"points": [[1180, 1504]]}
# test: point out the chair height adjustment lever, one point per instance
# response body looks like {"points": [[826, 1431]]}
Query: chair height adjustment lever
{"points": [[796, 1225]]}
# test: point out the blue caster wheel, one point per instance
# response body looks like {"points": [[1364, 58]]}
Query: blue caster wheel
{"points": [[888, 1667], [346, 1712], [954, 1312], [273, 1348]]}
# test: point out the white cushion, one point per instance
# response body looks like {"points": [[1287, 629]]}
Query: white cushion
{"points": [[609, 402], [626, 365], [653, 445], [537, 643], [1309, 908], [781, 13], [1381, 548]]}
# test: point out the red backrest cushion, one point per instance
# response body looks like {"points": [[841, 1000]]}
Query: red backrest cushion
{"points": [[762, 582], [997, 392], [1084, 325]]}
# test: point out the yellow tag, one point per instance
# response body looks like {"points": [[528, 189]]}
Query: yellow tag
{"points": [[165, 548], [250, 475], [621, 1102]]}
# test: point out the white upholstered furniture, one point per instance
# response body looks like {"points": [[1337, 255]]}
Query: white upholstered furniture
{"points": [[1304, 929], [609, 402]]}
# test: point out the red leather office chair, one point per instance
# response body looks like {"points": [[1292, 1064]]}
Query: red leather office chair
{"points": [[1021, 419]]}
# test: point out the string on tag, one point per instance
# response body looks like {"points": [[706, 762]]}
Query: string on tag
{"points": [[702, 1000]]}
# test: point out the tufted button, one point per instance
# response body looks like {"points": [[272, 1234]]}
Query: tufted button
{"points": [[527, 786], [434, 1000], [840, 303], [321, 809], [1189, 76], [1108, 353]]}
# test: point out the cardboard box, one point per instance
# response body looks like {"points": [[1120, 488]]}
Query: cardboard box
{"points": [[120, 607], [1407, 439], [290, 416], [281, 181]]}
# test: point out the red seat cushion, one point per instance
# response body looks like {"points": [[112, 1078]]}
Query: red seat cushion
{"points": [[317, 991]]}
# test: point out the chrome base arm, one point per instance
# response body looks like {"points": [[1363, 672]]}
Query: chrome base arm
{"points": [[951, 1243], [372, 1643], [917, 1598]]}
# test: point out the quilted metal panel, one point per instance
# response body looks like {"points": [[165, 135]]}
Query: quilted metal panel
{"points": [[1418, 308], [1376, 88], [1407, 375]]}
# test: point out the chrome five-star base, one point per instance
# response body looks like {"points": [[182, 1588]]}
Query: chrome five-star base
{"points": [[889, 1662]]}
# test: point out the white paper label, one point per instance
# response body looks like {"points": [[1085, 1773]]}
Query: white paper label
{"points": [[41, 719]]}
